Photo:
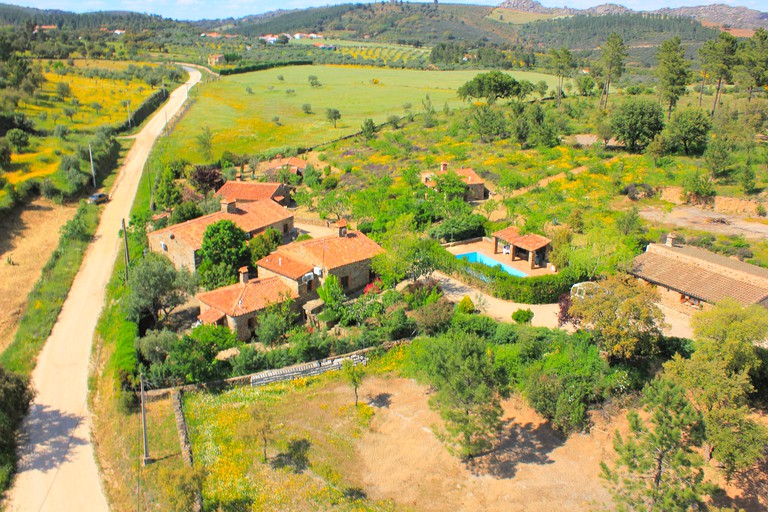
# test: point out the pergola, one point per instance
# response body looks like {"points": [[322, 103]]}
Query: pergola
{"points": [[531, 247]]}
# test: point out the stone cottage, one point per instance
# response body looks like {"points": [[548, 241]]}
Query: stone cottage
{"points": [[689, 277], [474, 185], [237, 306], [182, 242], [305, 265]]}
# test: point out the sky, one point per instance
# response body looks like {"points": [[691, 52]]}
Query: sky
{"points": [[212, 9]]}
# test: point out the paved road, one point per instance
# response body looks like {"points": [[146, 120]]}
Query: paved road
{"points": [[57, 471]]}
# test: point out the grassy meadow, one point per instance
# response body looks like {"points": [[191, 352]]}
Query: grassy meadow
{"points": [[244, 123]]}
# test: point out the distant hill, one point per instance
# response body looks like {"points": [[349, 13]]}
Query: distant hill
{"points": [[19, 16], [717, 14], [426, 23]]}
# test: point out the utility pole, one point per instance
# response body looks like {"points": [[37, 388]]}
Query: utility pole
{"points": [[93, 172], [127, 253], [146, 458]]}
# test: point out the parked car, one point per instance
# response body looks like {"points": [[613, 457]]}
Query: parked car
{"points": [[98, 198]]}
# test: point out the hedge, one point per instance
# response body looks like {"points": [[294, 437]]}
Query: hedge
{"points": [[146, 108], [262, 66], [545, 289]]}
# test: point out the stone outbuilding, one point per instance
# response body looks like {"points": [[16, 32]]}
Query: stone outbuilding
{"points": [[474, 185], [531, 247], [182, 242], [238, 306], [689, 276]]}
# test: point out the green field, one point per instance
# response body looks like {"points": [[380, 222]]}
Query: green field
{"points": [[243, 122]]}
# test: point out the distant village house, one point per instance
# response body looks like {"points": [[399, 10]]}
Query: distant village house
{"points": [[216, 59]]}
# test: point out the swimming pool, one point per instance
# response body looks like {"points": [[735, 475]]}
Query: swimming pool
{"points": [[478, 257]]}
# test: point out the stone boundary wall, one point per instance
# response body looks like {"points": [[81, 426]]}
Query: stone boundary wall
{"points": [[289, 372], [720, 204], [184, 443], [310, 221], [465, 242]]}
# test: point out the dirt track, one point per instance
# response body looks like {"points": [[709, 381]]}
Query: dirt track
{"points": [[57, 470]]}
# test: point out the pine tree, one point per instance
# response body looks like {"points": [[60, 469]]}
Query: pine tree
{"points": [[672, 72], [718, 61], [656, 469], [614, 55]]}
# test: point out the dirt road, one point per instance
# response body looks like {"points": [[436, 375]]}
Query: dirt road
{"points": [[698, 218], [57, 470]]}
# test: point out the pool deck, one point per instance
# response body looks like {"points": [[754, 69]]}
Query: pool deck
{"points": [[486, 248]]}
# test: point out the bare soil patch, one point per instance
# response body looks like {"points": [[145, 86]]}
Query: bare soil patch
{"points": [[532, 468], [697, 218], [28, 236]]}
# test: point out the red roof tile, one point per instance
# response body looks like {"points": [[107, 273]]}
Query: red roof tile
{"points": [[248, 190], [211, 316], [280, 262], [250, 217], [328, 252], [243, 298]]}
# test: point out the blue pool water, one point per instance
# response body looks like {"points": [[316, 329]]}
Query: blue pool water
{"points": [[478, 257]]}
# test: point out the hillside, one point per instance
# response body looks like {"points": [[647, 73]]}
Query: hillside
{"points": [[717, 14], [19, 16], [425, 23]]}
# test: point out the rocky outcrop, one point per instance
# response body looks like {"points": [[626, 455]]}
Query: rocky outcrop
{"points": [[718, 14]]}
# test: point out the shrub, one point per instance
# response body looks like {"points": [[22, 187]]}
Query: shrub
{"points": [[465, 305], [460, 227], [474, 324], [435, 318], [15, 397], [522, 316], [398, 325]]}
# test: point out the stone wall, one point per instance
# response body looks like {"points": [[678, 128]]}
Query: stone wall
{"points": [[177, 250], [672, 195], [359, 275], [184, 443], [735, 205]]}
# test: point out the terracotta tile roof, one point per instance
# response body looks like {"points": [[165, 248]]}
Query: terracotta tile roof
{"points": [[250, 217], [281, 262], [211, 316], [529, 242], [293, 161], [243, 298], [467, 175], [701, 274], [328, 252], [248, 191]]}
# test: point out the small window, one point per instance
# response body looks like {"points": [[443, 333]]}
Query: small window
{"points": [[344, 282], [163, 246]]}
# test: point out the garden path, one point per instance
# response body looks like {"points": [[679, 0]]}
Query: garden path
{"points": [[57, 470]]}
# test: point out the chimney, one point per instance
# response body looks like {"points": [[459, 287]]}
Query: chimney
{"points": [[342, 227], [279, 262], [238, 177], [244, 275], [229, 205], [671, 237], [444, 167]]}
